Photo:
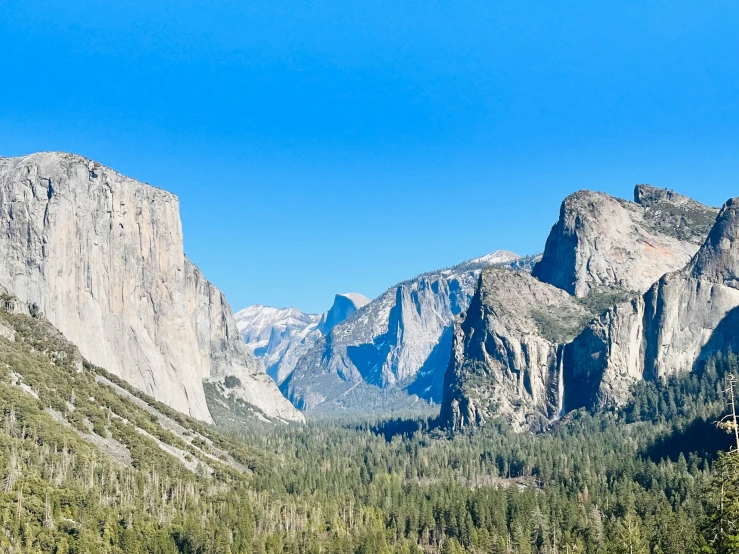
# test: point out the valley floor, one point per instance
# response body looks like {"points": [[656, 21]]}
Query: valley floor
{"points": [[91, 466]]}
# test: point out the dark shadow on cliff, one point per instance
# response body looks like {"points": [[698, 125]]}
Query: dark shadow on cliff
{"points": [[725, 338], [369, 358], [429, 381], [701, 436]]}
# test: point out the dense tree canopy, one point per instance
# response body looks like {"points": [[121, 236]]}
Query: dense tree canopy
{"points": [[646, 479]]}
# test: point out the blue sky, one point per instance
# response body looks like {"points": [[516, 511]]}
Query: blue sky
{"points": [[322, 147]]}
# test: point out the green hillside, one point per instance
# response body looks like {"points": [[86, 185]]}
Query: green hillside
{"points": [[91, 466]]}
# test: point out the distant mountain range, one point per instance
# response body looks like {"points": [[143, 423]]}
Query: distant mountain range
{"points": [[391, 354], [278, 337], [624, 291]]}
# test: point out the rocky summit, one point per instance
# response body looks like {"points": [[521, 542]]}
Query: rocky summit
{"points": [[601, 242], [100, 256], [624, 291]]}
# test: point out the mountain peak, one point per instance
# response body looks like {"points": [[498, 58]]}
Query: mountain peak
{"points": [[718, 258], [648, 196], [344, 306], [602, 242], [280, 336], [497, 257], [357, 299]]}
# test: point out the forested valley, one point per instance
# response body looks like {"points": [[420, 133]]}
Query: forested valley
{"points": [[87, 469]]}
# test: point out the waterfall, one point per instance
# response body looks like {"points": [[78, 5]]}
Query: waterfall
{"points": [[560, 383]]}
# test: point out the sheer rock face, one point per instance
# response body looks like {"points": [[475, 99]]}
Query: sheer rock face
{"points": [[400, 340], [528, 347], [101, 256], [603, 242], [279, 337], [682, 319], [506, 353]]}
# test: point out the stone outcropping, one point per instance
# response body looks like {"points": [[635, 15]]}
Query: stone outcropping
{"points": [[682, 319], [601, 242], [565, 333], [396, 346], [506, 356], [101, 256], [279, 337]]}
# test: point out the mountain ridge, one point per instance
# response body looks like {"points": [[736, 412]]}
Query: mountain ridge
{"points": [[403, 333], [603, 251], [279, 336]]}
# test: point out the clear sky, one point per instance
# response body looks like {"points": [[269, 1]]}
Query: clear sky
{"points": [[334, 146]]}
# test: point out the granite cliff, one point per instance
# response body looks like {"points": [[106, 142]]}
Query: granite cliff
{"points": [[578, 331], [682, 319], [601, 242], [393, 350], [101, 257], [506, 355]]}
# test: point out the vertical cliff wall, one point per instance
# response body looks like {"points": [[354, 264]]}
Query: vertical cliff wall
{"points": [[101, 256], [684, 317], [506, 355], [601, 242], [512, 356]]}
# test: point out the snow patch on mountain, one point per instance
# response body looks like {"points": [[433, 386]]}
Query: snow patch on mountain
{"points": [[497, 257], [396, 348], [278, 337]]}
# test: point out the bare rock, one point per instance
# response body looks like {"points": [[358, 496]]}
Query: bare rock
{"points": [[394, 348], [602, 242], [101, 256], [506, 353], [681, 320]]}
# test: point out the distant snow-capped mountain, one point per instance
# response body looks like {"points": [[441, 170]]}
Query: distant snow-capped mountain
{"points": [[497, 257], [278, 337], [396, 349]]}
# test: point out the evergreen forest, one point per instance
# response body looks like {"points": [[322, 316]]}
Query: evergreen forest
{"points": [[89, 465]]}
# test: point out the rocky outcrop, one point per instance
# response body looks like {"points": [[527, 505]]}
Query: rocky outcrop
{"points": [[400, 340], [101, 257], [675, 215], [512, 354], [506, 356], [345, 305], [682, 319], [279, 337], [601, 242]]}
